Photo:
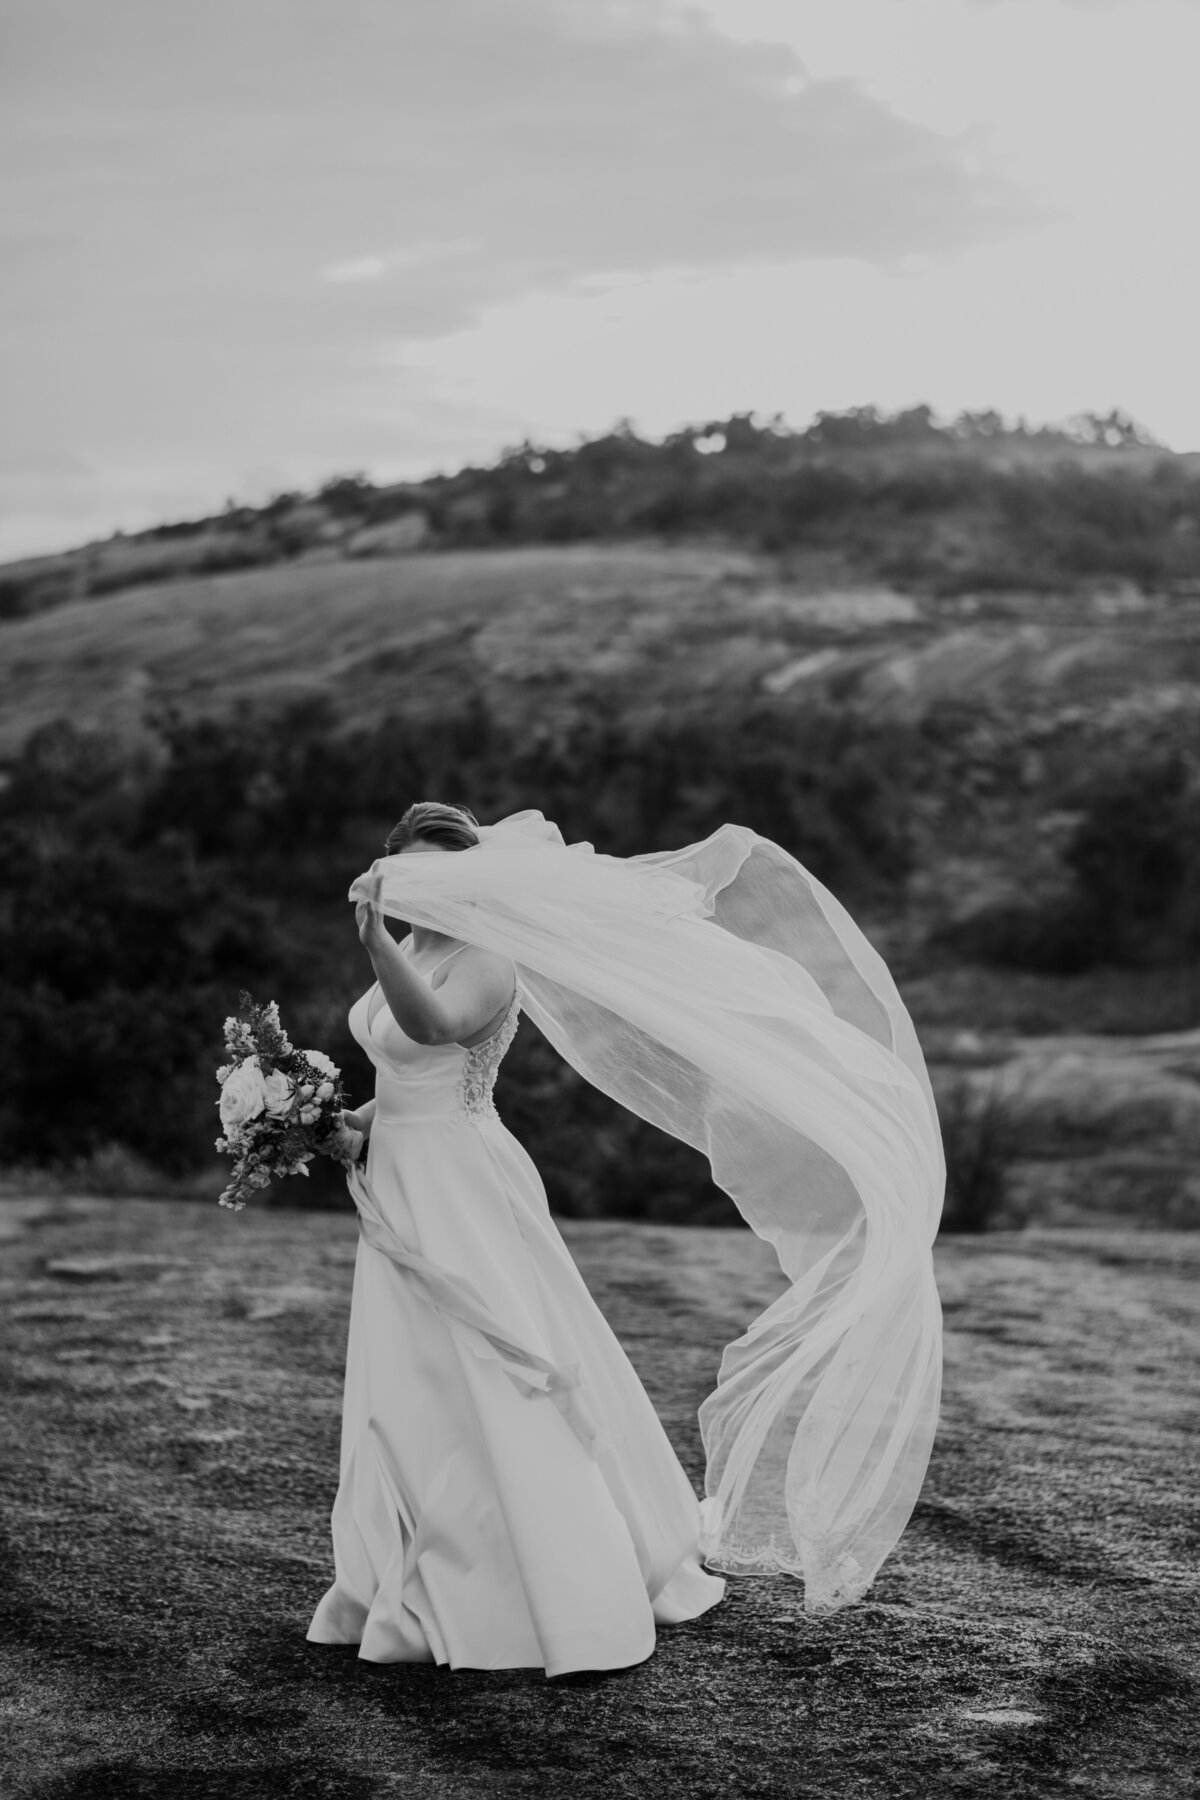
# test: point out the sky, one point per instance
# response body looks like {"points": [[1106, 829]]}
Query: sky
{"points": [[251, 244]]}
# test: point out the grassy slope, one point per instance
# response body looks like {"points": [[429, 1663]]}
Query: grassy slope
{"points": [[173, 1455], [532, 627], [357, 632]]}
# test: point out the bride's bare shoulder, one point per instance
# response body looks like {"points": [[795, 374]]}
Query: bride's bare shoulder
{"points": [[478, 967], [476, 988]]}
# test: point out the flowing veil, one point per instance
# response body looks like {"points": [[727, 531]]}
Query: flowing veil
{"points": [[722, 993]]}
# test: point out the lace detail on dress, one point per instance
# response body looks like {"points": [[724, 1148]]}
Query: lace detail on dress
{"points": [[482, 1063]]}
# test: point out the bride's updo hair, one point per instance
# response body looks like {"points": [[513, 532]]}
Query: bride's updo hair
{"points": [[428, 821]]}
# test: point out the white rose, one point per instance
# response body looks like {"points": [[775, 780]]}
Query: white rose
{"points": [[325, 1091], [277, 1092], [319, 1060], [242, 1095]]}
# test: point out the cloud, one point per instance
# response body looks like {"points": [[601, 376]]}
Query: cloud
{"points": [[581, 142], [356, 268], [228, 216], [1092, 5], [412, 256], [555, 137]]}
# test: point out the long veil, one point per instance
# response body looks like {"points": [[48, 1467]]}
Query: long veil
{"points": [[722, 993]]}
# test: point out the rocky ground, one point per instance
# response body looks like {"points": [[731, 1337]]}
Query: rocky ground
{"points": [[173, 1374]]}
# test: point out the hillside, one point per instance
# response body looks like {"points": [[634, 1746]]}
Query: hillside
{"points": [[943, 507], [410, 634], [175, 1374], [1001, 780], [953, 766], [534, 630]]}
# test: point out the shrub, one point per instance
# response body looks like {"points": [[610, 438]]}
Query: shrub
{"points": [[1135, 858], [1059, 936], [980, 1137], [1131, 890], [36, 586], [148, 881]]}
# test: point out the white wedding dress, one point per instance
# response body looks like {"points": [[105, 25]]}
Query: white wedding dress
{"points": [[483, 1520]]}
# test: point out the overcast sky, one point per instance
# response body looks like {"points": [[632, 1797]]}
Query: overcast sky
{"points": [[252, 243]]}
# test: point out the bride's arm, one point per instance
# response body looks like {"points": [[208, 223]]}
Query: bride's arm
{"points": [[464, 1003]]}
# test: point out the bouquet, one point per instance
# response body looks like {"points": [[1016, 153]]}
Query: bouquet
{"points": [[279, 1106]]}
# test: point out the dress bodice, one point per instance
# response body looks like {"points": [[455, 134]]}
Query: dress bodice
{"points": [[429, 1081]]}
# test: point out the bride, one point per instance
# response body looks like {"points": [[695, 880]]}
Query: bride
{"points": [[472, 1527], [507, 1495]]}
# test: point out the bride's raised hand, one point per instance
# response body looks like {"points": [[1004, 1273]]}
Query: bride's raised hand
{"points": [[367, 915]]}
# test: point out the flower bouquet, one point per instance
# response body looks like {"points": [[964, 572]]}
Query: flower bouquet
{"points": [[279, 1106]]}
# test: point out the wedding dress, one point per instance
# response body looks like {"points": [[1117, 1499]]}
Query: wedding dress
{"points": [[508, 1497], [723, 994]]}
